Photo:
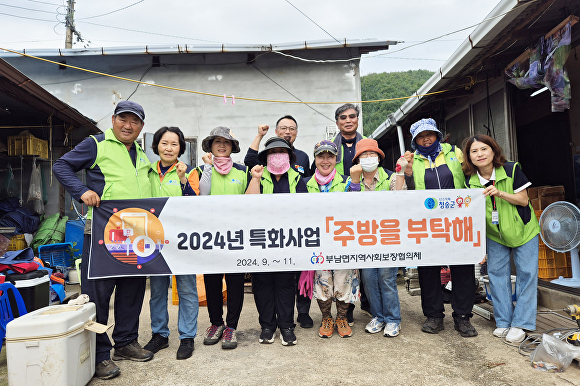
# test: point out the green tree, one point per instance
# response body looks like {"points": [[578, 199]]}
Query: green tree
{"points": [[387, 85]]}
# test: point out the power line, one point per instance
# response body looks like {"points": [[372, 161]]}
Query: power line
{"points": [[27, 18], [328, 33], [150, 33], [108, 13], [42, 2], [28, 9]]}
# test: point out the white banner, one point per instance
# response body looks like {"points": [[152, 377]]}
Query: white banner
{"points": [[287, 232]]}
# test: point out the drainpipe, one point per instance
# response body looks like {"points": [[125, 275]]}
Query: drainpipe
{"points": [[393, 122]]}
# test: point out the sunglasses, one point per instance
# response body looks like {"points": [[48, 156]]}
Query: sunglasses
{"points": [[351, 116]]}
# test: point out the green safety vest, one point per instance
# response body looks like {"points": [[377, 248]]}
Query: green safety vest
{"points": [[384, 182], [235, 182], [122, 179], [511, 231], [171, 185], [339, 184], [450, 160], [268, 185]]}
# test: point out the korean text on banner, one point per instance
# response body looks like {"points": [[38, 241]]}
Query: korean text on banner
{"points": [[287, 232]]}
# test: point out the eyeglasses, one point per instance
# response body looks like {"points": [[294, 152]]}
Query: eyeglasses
{"points": [[368, 154], [287, 128], [351, 116]]}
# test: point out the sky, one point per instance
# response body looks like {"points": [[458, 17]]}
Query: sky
{"points": [[32, 24]]}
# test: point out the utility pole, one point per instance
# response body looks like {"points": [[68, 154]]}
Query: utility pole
{"points": [[69, 23]]}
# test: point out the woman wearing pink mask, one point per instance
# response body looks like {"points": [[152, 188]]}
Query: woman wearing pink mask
{"points": [[220, 175], [274, 291]]}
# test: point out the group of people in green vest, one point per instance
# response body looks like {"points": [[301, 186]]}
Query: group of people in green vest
{"points": [[348, 163]]}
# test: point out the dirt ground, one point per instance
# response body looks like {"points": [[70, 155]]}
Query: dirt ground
{"points": [[412, 358]]}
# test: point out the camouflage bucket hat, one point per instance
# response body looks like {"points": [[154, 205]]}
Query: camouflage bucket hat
{"points": [[223, 132]]}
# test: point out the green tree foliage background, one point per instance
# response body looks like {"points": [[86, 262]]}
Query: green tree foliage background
{"points": [[384, 86]]}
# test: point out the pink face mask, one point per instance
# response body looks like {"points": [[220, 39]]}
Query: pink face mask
{"points": [[278, 163]]}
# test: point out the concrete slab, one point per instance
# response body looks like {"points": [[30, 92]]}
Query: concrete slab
{"points": [[412, 358]]}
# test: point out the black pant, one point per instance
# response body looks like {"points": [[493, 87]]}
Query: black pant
{"points": [[274, 297], [235, 301], [462, 290], [129, 294], [302, 302]]}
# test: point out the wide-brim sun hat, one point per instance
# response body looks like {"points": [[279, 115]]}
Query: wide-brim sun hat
{"points": [[223, 132], [425, 124], [368, 144], [273, 143]]}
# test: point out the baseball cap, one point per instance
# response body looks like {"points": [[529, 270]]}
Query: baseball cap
{"points": [[130, 107], [325, 145]]}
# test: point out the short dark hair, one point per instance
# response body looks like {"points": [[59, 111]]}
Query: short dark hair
{"points": [[498, 158], [345, 107], [287, 117], [159, 133]]}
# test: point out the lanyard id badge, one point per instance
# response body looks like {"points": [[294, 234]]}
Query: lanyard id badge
{"points": [[494, 213]]}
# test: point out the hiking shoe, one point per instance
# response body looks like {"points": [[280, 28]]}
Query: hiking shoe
{"points": [[132, 351], [287, 336], [229, 340], [185, 349], [463, 325], [515, 335], [374, 326], [500, 332], [433, 325], [326, 328], [305, 320], [267, 336], [107, 369], [157, 342], [350, 315], [213, 334], [392, 330], [343, 328]]}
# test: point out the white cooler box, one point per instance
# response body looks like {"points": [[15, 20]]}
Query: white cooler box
{"points": [[51, 346]]}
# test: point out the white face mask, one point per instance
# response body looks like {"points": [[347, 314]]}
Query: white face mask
{"points": [[369, 164]]}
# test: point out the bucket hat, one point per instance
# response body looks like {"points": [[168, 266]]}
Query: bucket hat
{"points": [[273, 143], [223, 132], [425, 124], [367, 144]]}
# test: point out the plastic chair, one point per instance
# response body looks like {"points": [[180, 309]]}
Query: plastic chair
{"points": [[6, 314]]}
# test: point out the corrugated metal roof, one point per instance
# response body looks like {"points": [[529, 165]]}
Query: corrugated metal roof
{"points": [[366, 45]]}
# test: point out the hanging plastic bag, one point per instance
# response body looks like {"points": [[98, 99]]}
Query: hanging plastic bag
{"points": [[9, 188], [553, 355], [35, 189]]}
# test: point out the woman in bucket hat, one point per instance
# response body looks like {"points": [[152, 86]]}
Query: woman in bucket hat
{"points": [[380, 283], [339, 285], [171, 177], [436, 165], [220, 175], [274, 292]]}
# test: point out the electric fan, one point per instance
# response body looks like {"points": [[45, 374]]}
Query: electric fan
{"points": [[560, 231]]}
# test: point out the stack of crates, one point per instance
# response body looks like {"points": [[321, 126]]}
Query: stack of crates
{"points": [[17, 243], [27, 144], [552, 264]]}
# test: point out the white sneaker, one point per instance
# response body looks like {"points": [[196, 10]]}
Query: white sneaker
{"points": [[374, 326], [500, 332], [392, 330], [515, 335]]}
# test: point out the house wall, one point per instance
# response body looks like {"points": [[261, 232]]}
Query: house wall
{"points": [[270, 76]]}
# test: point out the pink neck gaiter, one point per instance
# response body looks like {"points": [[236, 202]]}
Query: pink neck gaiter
{"points": [[323, 180], [278, 163], [223, 165]]}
